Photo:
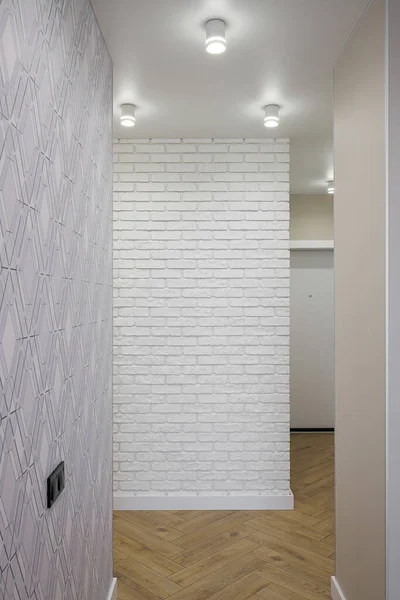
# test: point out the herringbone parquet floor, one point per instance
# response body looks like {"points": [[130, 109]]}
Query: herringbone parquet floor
{"points": [[236, 555]]}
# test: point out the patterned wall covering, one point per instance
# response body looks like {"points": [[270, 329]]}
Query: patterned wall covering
{"points": [[55, 300]]}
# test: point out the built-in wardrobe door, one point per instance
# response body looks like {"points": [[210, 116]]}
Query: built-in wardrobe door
{"points": [[312, 385]]}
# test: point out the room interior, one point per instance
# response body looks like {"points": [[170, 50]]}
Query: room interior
{"points": [[195, 300]]}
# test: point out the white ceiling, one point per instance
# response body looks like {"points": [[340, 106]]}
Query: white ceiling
{"points": [[279, 51]]}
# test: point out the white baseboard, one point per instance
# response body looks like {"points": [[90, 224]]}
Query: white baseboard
{"points": [[336, 592], [130, 502], [112, 594]]}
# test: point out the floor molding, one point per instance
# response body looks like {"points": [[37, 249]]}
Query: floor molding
{"points": [[130, 502], [336, 592], [112, 594]]}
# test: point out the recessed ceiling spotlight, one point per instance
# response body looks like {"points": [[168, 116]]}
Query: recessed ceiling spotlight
{"points": [[331, 187], [128, 115], [215, 36], [271, 115]]}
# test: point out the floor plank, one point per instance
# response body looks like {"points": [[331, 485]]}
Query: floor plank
{"points": [[213, 544], [294, 583], [153, 525], [145, 577], [291, 538], [128, 529], [214, 583], [221, 524], [144, 555], [276, 592], [242, 589], [130, 590], [213, 562]]}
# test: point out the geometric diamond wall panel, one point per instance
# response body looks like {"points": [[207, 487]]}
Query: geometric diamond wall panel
{"points": [[55, 300]]}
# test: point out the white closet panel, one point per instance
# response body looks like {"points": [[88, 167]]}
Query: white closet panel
{"points": [[312, 339]]}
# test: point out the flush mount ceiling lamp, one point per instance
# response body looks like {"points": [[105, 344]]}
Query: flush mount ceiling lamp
{"points": [[128, 115], [271, 115], [215, 36], [331, 187]]}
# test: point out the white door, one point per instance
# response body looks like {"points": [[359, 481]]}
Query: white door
{"points": [[312, 388]]}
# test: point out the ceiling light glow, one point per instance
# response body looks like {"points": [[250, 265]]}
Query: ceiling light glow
{"points": [[271, 115], [215, 36], [128, 115]]}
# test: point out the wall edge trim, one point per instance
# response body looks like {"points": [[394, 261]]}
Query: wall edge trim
{"points": [[336, 590], [112, 593], [273, 502]]}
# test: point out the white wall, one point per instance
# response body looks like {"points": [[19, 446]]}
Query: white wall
{"points": [[311, 217], [360, 311], [201, 317]]}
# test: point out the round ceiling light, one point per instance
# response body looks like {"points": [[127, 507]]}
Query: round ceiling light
{"points": [[271, 115], [215, 36], [331, 187], [128, 115]]}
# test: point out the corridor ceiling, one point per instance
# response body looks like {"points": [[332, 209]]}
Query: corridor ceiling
{"points": [[278, 52]]}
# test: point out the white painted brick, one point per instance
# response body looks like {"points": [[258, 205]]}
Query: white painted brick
{"points": [[230, 177], [165, 158], [244, 167], [196, 158], [282, 158], [201, 316], [124, 187], [261, 158], [232, 157], [196, 177], [122, 148], [149, 148], [212, 168], [212, 148], [244, 147], [134, 158], [123, 167], [149, 168], [166, 177], [182, 148], [275, 146]]}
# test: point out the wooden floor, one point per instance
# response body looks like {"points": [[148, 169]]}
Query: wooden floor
{"points": [[236, 555]]}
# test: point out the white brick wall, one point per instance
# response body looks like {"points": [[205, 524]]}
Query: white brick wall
{"points": [[201, 317]]}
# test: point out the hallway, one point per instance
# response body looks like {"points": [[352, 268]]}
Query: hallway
{"points": [[198, 256], [225, 555]]}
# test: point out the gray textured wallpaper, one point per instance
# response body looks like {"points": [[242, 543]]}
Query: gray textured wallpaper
{"points": [[55, 300]]}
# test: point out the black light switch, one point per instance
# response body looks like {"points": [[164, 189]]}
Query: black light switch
{"points": [[55, 484]]}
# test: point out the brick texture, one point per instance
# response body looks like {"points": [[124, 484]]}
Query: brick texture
{"points": [[201, 317]]}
